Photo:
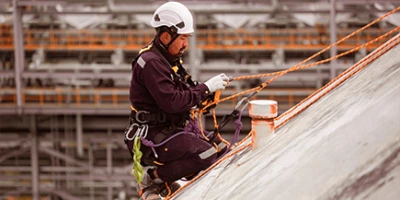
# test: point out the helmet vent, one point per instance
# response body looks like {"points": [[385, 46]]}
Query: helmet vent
{"points": [[180, 25], [156, 18]]}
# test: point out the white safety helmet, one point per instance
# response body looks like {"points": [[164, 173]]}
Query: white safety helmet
{"points": [[173, 14]]}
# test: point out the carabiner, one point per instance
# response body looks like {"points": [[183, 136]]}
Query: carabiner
{"points": [[129, 130], [240, 104]]}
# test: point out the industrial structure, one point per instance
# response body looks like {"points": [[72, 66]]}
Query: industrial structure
{"points": [[65, 75]]}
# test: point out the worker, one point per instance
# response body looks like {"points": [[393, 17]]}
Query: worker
{"points": [[162, 95]]}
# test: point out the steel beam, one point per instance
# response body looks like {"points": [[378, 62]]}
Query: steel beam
{"points": [[40, 3], [64, 157], [79, 135], [72, 177], [69, 110], [16, 192], [79, 75], [19, 55], [59, 193], [109, 165], [6, 74], [333, 37], [91, 177], [236, 11], [364, 2], [79, 170], [14, 153], [34, 159], [90, 111], [193, 53]]}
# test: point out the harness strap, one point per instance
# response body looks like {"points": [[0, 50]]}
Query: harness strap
{"points": [[160, 138], [164, 133]]}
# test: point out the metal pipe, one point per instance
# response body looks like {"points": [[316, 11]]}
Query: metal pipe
{"points": [[13, 153], [109, 165], [200, 8], [65, 157], [333, 37], [79, 135], [192, 53], [34, 159], [210, 11], [18, 53], [262, 113], [91, 177]]}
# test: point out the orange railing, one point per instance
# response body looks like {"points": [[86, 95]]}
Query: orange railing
{"points": [[294, 39], [106, 97], [262, 39]]}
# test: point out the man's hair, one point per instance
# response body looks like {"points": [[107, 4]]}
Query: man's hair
{"points": [[171, 30]]}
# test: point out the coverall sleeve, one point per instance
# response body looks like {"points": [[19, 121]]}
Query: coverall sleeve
{"points": [[169, 96]]}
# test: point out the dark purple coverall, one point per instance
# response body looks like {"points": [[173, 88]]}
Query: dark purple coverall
{"points": [[154, 89]]}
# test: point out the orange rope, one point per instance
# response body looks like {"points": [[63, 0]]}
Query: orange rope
{"points": [[333, 80], [168, 188], [299, 65], [201, 126], [223, 140], [214, 118], [207, 170], [296, 67], [381, 50], [337, 56], [216, 127], [328, 47], [376, 54]]}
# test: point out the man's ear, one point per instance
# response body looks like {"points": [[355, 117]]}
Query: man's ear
{"points": [[165, 37]]}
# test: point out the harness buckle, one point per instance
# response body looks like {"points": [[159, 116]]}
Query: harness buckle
{"points": [[138, 116]]}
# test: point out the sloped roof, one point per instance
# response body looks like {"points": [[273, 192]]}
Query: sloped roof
{"points": [[344, 146]]}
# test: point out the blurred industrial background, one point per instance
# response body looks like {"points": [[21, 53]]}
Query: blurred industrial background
{"points": [[65, 74]]}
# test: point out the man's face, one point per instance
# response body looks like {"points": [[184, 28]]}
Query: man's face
{"points": [[177, 48]]}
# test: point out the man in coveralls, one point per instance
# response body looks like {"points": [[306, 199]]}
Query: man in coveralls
{"points": [[162, 95]]}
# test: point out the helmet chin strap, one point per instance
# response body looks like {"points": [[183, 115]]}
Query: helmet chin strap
{"points": [[174, 36], [172, 31]]}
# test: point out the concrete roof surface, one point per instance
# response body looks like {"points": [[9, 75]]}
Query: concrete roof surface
{"points": [[344, 146]]}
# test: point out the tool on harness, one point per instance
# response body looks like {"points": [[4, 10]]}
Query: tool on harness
{"points": [[240, 106]]}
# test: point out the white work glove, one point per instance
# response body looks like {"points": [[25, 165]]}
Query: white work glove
{"points": [[218, 82]]}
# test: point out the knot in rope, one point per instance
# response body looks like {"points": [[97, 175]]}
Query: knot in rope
{"points": [[148, 143], [192, 127], [238, 121], [151, 145], [239, 126]]}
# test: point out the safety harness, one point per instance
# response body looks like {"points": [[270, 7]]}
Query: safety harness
{"points": [[140, 120]]}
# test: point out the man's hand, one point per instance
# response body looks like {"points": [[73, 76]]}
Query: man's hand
{"points": [[218, 82]]}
